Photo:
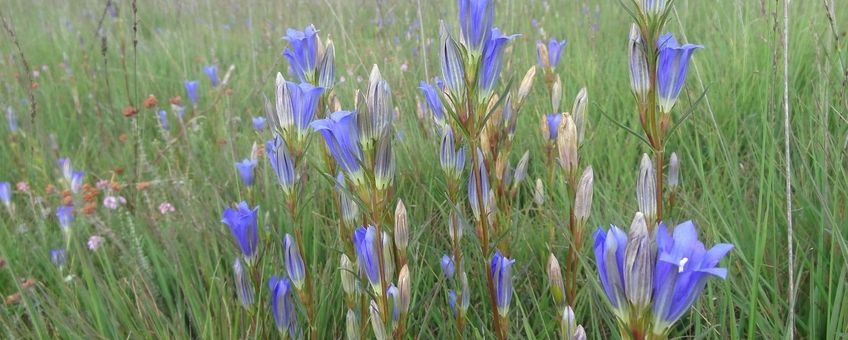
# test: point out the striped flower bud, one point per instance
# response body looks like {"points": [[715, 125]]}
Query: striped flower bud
{"points": [[384, 167], [327, 66], [525, 86], [555, 280], [405, 286], [583, 198], [455, 226], [542, 54], [377, 322], [465, 299], [568, 323], [388, 256], [244, 288], [639, 260], [646, 190], [348, 273], [567, 147], [539, 192], [556, 94], [351, 325], [521, 169], [401, 227], [640, 82], [579, 111], [295, 266], [673, 171]]}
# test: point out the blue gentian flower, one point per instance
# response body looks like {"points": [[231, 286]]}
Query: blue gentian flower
{"points": [[258, 123], [683, 267], [609, 256], [163, 120], [294, 262], [77, 178], [282, 305], [555, 51], [672, 67], [365, 244], [393, 296], [304, 101], [501, 271], [448, 267], [282, 163], [492, 62], [11, 120], [57, 256], [452, 301], [553, 121], [191, 91], [245, 170], [244, 288], [451, 62], [433, 101], [339, 131], [65, 215], [212, 73], [242, 223], [303, 52], [6, 193], [476, 18]]}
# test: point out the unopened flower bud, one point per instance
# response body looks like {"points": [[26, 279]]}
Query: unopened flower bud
{"points": [[579, 111], [646, 190], [405, 286], [542, 54], [639, 260], [377, 322], [526, 85], [673, 171], [555, 279], [583, 198], [348, 275], [327, 69], [568, 323], [401, 227], [567, 147], [351, 325], [455, 226], [521, 169], [465, 299], [388, 256], [556, 94], [539, 192], [579, 334], [640, 82]]}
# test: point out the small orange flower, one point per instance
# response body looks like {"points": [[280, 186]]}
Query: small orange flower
{"points": [[67, 200], [34, 86], [150, 102], [119, 170], [130, 111], [50, 189], [221, 142], [123, 137], [142, 185], [89, 208], [14, 298], [115, 186], [178, 101], [28, 283]]}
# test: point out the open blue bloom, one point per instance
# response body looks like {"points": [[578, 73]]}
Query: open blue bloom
{"points": [[501, 271], [65, 215], [282, 305], [245, 170], [244, 288], [6, 193], [77, 178], [475, 19], [448, 267], [212, 73], [294, 262], [433, 101], [365, 244], [191, 91], [57, 256], [242, 223], [393, 296], [163, 120], [282, 163], [258, 123], [672, 67], [492, 62], [683, 267], [554, 52], [609, 255], [484, 189], [304, 101], [553, 120], [303, 52], [11, 120], [339, 131]]}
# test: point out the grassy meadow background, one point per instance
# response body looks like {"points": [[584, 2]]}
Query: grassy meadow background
{"points": [[170, 276]]}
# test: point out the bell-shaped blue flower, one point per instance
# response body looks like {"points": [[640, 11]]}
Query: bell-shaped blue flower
{"points": [[448, 267], [492, 62], [6, 193], [282, 305], [258, 123], [163, 120], [77, 178], [475, 19], [57, 256], [340, 133], [672, 67], [245, 171], [65, 215], [191, 91], [304, 101], [11, 119], [609, 255], [433, 101], [553, 121], [212, 73], [282, 163], [683, 267], [242, 223], [365, 244], [554, 52], [294, 262], [501, 271], [303, 52]]}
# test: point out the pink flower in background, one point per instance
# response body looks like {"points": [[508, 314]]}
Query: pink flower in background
{"points": [[113, 202], [166, 208], [94, 242], [404, 67], [103, 184], [22, 186]]}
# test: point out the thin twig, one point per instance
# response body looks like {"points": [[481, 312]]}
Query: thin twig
{"points": [[787, 134]]}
